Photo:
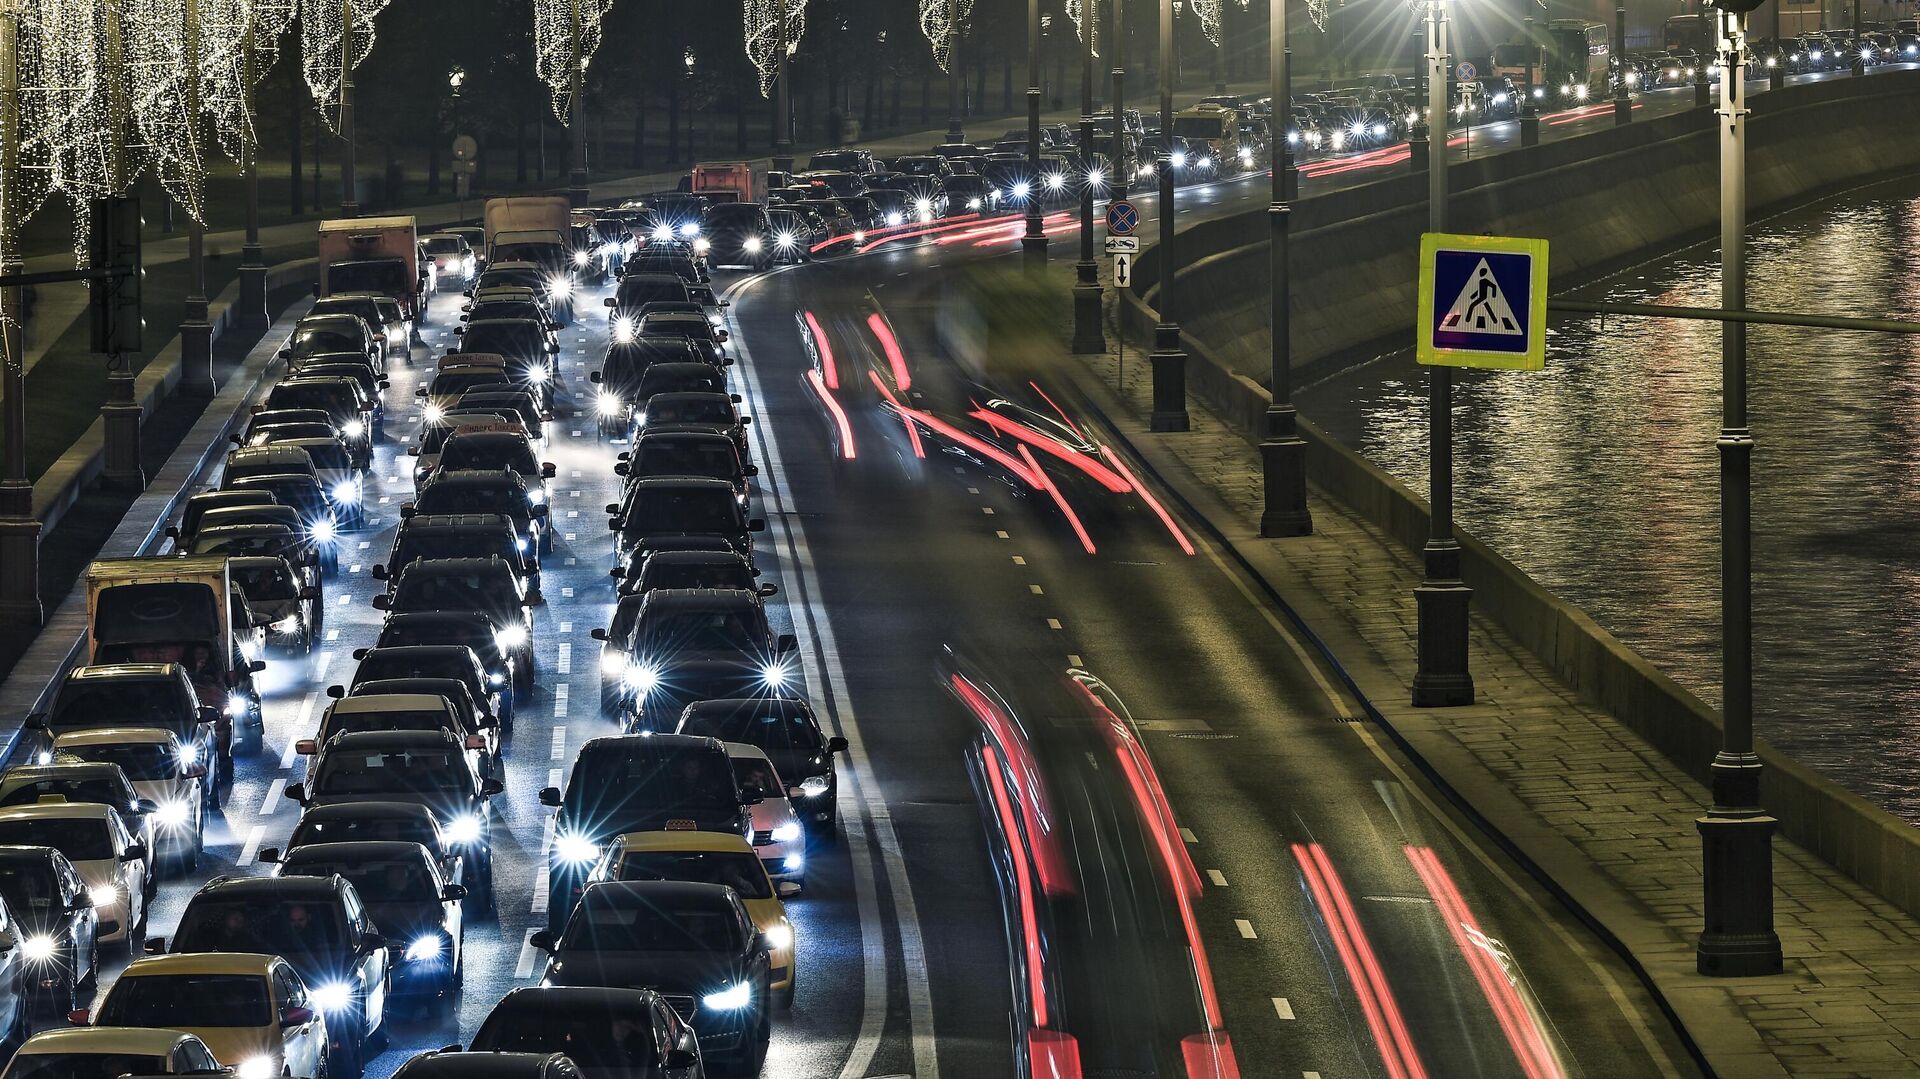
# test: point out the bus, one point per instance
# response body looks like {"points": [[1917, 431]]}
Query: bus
{"points": [[1577, 58], [1690, 33]]}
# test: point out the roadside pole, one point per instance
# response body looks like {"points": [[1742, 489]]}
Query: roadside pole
{"points": [[577, 192], [19, 531], [349, 197], [120, 414], [1169, 359], [1622, 104], [1033, 245], [1283, 455], [253, 267], [956, 124], [783, 112], [1089, 337], [196, 333]]}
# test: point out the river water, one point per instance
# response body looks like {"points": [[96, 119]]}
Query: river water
{"points": [[1598, 476]]}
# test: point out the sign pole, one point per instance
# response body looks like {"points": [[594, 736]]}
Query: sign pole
{"points": [[19, 530], [1441, 679]]}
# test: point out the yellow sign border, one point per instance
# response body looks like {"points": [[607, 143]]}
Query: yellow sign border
{"points": [[1535, 357]]}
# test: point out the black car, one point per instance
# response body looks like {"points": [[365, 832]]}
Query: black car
{"points": [[430, 768], [796, 233], [490, 585], [137, 695], [625, 364], [335, 333], [348, 408], [553, 283], [380, 822], [694, 944], [499, 491], [635, 783], [453, 1064], [607, 1031], [522, 403], [692, 569], [197, 506], [412, 906], [461, 535], [472, 715], [692, 645], [473, 630], [709, 341], [321, 927], [527, 345], [709, 411], [786, 730], [666, 454], [684, 377], [55, 923], [433, 661], [637, 289], [739, 234], [657, 513]]}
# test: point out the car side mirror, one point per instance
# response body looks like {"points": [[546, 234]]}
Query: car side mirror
{"points": [[310, 593], [78, 1017], [613, 507], [540, 511], [549, 796], [544, 940], [296, 1017], [373, 941], [458, 330], [421, 392], [551, 325], [338, 692], [598, 633], [145, 805], [195, 771], [621, 469], [134, 852], [382, 601], [734, 397], [173, 533], [751, 470], [407, 511], [475, 741], [379, 571], [285, 353], [836, 744], [593, 377], [553, 349], [547, 471], [679, 1059], [361, 653], [306, 747], [208, 713], [413, 451], [756, 525], [453, 893], [256, 666], [297, 792], [608, 301], [767, 591], [722, 336], [787, 889], [787, 644], [384, 383], [268, 856], [492, 786]]}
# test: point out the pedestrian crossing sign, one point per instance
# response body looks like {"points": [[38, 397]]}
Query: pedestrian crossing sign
{"points": [[1483, 302]]}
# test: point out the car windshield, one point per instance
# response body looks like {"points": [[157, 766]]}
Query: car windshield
{"points": [[384, 275], [140, 760], [636, 291], [451, 543], [652, 926], [346, 305], [397, 771], [387, 720], [309, 340], [734, 216], [738, 870], [614, 787], [30, 889], [454, 383], [440, 591], [518, 276], [121, 704], [487, 452], [681, 378], [320, 829], [385, 880], [81, 839], [683, 509], [704, 631], [764, 727], [505, 338], [94, 788], [698, 575], [662, 457], [174, 1001], [85, 1066], [443, 245], [501, 498], [271, 582], [715, 410], [515, 309], [328, 456], [295, 929], [325, 396]]}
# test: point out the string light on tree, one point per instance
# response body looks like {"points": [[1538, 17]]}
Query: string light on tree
{"points": [[59, 61], [321, 45], [762, 18], [1086, 19], [155, 34], [554, 49], [223, 66], [933, 23]]}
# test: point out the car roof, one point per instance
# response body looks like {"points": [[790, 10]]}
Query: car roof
{"points": [[24, 852], [128, 672], [353, 850], [697, 558], [433, 739], [476, 477], [745, 752], [666, 482], [56, 767], [242, 963], [649, 744], [296, 887], [710, 842], [107, 736], [735, 705], [677, 891], [389, 702], [61, 810], [453, 522], [459, 1065], [134, 1041], [369, 809], [702, 598]]}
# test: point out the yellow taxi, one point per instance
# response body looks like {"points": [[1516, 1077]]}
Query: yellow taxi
{"points": [[714, 858], [251, 1010]]}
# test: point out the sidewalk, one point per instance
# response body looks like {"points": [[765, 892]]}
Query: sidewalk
{"points": [[1607, 819]]}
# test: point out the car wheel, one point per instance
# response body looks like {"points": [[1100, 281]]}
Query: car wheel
{"points": [[792, 989]]}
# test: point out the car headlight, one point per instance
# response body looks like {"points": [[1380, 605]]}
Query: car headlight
{"points": [[174, 814], [1055, 181], [464, 829], [663, 233], [813, 786], [511, 637], [793, 863], [775, 675], [1293, 138], [731, 999], [787, 832], [894, 218], [353, 428], [425, 948], [396, 334], [433, 413], [623, 329], [466, 263], [608, 404], [613, 662], [1245, 154], [325, 530], [923, 207], [1499, 99], [495, 678], [641, 678], [1020, 189], [1378, 130], [38, 948], [1815, 54], [784, 240], [701, 246], [1206, 162], [559, 288], [537, 375], [1179, 159], [285, 625], [346, 491], [1580, 91], [779, 937], [581, 258], [752, 245], [332, 998], [572, 849], [859, 237], [689, 230], [106, 895], [254, 1068], [1339, 140], [973, 204]]}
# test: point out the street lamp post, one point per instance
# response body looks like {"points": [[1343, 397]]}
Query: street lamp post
{"points": [[1168, 358], [1122, 160], [577, 191], [1529, 107], [120, 414], [956, 125], [1089, 337], [783, 112], [1738, 939], [1283, 455], [196, 333], [349, 197], [1442, 598], [253, 266], [1220, 47], [1776, 71], [1033, 245], [19, 531], [1622, 104], [1859, 58]]}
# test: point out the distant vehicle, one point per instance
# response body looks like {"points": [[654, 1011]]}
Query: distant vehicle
{"points": [[729, 181], [1577, 59], [372, 254]]}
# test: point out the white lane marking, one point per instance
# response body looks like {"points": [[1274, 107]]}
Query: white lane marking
{"points": [[573, 513], [321, 665], [988, 510], [1218, 878], [571, 536], [554, 779], [333, 635], [563, 664], [1284, 1010], [1018, 561], [355, 568], [276, 791], [539, 904], [1054, 623], [566, 593], [816, 631], [560, 742], [1035, 589], [566, 627], [571, 561], [251, 848], [1074, 661], [291, 753], [344, 599], [1246, 929], [1309, 1075], [973, 490], [364, 544], [528, 955], [560, 702], [1187, 835], [1003, 535]]}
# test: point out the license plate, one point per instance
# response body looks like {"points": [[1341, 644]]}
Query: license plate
{"points": [[681, 826]]}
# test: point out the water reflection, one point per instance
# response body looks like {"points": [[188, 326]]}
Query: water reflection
{"points": [[1598, 476]]}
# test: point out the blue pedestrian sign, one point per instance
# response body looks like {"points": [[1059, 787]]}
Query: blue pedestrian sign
{"points": [[1122, 217], [1483, 302]]}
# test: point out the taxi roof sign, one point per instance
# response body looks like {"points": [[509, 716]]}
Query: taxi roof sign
{"points": [[1483, 302]]}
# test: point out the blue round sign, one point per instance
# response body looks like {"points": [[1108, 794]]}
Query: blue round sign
{"points": [[1122, 218]]}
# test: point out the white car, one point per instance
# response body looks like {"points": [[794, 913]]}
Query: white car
{"points": [[109, 861], [779, 839], [170, 775], [64, 1054]]}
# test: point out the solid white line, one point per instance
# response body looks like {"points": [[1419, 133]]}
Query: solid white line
{"points": [[563, 664], [1246, 929], [1218, 878], [560, 742], [1284, 1010], [290, 754], [276, 792], [816, 632], [528, 956], [251, 848]]}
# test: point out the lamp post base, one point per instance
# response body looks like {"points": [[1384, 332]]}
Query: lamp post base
{"points": [[1530, 129], [252, 309], [1283, 461], [1702, 91], [577, 193], [1169, 380], [1622, 111], [1738, 940], [1417, 150], [955, 131], [19, 556], [1089, 330], [196, 353], [1776, 77], [120, 452], [1442, 679], [1033, 246]]}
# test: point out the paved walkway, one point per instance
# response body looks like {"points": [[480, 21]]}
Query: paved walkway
{"points": [[1609, 819]]}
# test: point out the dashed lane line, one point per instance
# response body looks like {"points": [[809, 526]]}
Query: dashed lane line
{"points": [[251, 848], [276, 791], [1284, 1009], [1218, 878]]}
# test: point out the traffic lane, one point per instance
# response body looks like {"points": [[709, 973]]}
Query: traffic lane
{"points": [[553, 721]]}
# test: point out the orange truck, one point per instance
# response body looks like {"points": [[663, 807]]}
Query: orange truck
{"points": [[372, 254], [725, 181]]}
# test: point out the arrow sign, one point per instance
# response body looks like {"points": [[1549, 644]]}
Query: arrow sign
{"points": [[1123, 245], [1123, 271]]}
